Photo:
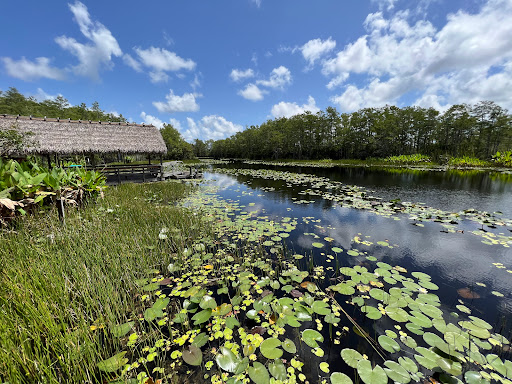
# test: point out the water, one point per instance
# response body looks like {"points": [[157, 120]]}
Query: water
{"points": [[454, 260]]}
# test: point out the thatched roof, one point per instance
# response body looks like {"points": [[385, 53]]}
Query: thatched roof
{"points": [[66, 137]]}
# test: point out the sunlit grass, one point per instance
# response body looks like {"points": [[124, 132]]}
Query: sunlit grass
{"points": [[56, 282]]}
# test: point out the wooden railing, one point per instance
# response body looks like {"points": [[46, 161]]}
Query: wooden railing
{"points": [[147, 170]]}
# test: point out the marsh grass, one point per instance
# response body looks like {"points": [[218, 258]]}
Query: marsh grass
{"points": [[57, 281]]}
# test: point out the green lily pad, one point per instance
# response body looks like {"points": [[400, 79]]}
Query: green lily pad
{"points": [[397, 314], [449, 366], [289, 346], [114, 363], [122, 329], [269, 348], [340, 378], [388, 344], [473, 377], [180, 318], [227, 360], [318, 245], [151, 314], [376, 375], [200, 339], [337, 250], [202, 317], [259, 374], [343, 288], [192, 355], [208, 302], [371, 312], [475, 330], [408, 364], [396, 372], [312, 337], [278, 370], [351, 357], [428, 358], [321, 307]]}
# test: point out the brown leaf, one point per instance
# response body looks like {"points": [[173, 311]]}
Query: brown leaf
{"points": [[259, 330], [467, 293], [165, 281], [296, 293]]}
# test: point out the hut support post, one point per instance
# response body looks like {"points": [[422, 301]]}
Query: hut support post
{"points": [[49, 161], [143, 174], [149, 158], [60, 210], [118, 176], [161, 168]]}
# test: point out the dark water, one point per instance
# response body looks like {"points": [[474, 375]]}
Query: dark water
{"points": [[454, 260]]}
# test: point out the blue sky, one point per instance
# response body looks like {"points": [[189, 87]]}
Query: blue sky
{"points": [[211, 68]]}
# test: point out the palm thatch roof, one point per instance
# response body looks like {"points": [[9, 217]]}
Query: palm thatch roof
{"points": [[66, 137]]}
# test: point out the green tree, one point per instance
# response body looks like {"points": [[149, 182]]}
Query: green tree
{"points": [[177, 147]]}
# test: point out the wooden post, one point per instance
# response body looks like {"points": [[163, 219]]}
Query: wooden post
{"points": [[149, 158], [143, 174], [118, 176], [60, 210], [161, 168], [49, 161]]}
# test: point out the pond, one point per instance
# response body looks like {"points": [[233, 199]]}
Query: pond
{"points": [[466, 254]]}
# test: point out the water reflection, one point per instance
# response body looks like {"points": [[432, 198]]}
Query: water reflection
{"points": [[454, 260]]}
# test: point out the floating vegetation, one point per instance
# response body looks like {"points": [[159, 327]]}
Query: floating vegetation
{"points": [[238, 306]]}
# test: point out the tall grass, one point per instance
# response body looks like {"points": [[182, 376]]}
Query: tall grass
{"points": [[56, 282]]}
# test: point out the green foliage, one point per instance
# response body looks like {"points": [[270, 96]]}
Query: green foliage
{"points": [[14, 103], [467, 161], [503, 159], [28, 180], [177, 147], [416, 158], [387, 132]]}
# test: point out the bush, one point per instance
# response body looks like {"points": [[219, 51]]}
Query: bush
{"points": [[466, 161], [416, 158], [503, 159]]}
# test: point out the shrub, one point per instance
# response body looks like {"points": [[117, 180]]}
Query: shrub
{"points": [[503, 159]]}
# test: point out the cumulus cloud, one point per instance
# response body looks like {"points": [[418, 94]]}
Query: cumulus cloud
{"points": [[210, 127], [32, 70], [131, 62], [385, 4], [284, 109], [465, 60], [279, 78], [252, 92], [315, 49], [96, 54], [176, 103], [238, 74], [159, 61], [148, 119]]}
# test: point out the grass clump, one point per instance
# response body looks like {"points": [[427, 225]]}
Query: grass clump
{"points": [[467, 162], [59, 286], [416, 158]]}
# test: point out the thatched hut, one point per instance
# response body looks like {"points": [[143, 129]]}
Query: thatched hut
{"points": [[64, 137]]}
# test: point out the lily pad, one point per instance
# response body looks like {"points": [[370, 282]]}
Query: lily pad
{"points": [[388, 344], [207, 302], [376, 375], [269, 348], [259, 374], [192, 355], [202, 317], [396, 372], [351, 357], [340, 378], [278, 370], [227, 360], [289, 346], [312, 337], [122, 329], [114, 363]]}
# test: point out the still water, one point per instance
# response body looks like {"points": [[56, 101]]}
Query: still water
{"points": [[455, 260]]}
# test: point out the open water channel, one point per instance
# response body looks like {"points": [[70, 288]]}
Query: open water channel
{"points": [[469, 258]]}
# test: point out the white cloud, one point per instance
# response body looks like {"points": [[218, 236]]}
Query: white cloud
{"points": [[160, 61], [98, 53], [175, 103], [279, 78], [41, 95], [209, 127], [385, 4], [238, 74], [314, 49], [284, 109], [148, 119], [257, 2], [466, 60], [32, 70], [196, 83], [131, 62], [252, 92], [176, 124]]}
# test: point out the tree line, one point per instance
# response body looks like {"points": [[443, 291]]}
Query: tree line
{"points": [[478, 130]]}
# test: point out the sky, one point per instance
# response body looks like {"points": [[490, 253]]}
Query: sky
{"points": [[213, 68]]}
